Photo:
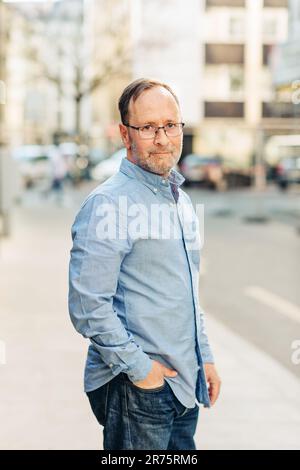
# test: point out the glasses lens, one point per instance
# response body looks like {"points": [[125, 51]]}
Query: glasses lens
{"points": [[174, 131], [147, 132]]}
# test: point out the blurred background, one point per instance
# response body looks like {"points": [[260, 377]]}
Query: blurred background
{"points": [[235, 66]]}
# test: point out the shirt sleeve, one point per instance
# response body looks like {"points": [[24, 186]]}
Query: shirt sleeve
{"points": [[206, 352], [96, 257]]}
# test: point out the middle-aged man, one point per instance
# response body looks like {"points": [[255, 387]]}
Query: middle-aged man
{"points": [[134, 290]]}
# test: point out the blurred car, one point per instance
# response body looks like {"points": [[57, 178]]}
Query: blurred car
{"points": [[33, 163], [109, 166], [235, 175], [96, 155], [203, 169], [77, 161], [288, 172], [70, 149]]}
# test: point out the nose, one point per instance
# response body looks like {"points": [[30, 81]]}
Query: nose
{"points": [[160, 137]]}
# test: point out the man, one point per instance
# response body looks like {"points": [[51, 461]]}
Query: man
{"points": [[134, 292]]}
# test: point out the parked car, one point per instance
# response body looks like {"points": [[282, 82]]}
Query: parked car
{"points": [[203, 170], [235, 175], [288, 172], [109, 166], [34, 164], [77, 160]]}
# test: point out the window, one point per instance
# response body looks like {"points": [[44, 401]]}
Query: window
{"points": [[236, 26], [236, 79], [270, 27], [267, 49]]}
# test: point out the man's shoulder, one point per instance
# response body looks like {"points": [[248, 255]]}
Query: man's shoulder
{"points": [[109, 191]]}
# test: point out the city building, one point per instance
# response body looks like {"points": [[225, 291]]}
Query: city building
{"points": [[286, 62], [216, 56]]}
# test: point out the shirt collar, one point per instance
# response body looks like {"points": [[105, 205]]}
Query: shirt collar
{"points": [[151, 180]]}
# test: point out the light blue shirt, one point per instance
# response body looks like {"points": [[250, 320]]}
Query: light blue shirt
{"points": [[133, 290]]}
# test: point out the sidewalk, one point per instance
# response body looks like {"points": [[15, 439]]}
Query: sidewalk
{"points": [[259, 404], [42, 405]]}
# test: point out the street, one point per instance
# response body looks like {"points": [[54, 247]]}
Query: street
{"points": [[249, 288], [251, 267]]}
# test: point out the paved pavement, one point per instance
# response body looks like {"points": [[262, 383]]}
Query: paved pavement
{"points": [[42, 405]]}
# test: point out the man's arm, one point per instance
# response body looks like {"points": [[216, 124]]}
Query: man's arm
{"points": [[205, 348], [212, 376], [93, 278]]}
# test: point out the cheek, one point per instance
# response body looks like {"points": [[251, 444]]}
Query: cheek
{"points": [[178, 145], [145, 148]]}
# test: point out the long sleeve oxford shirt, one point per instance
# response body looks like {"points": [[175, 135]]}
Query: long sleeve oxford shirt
{"points": [[134, 293]]}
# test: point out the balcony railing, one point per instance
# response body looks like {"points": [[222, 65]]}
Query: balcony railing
{"points": [[280, 110], [225, 3], [223, 109], [276, 3], [224, 54]]}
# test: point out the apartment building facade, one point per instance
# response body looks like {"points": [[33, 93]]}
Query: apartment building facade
{"points": [[237, 92], [215, 53], [286, 59]]}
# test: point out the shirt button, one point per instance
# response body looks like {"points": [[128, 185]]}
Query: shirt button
{"points": [[155, 190], [110, 365]]}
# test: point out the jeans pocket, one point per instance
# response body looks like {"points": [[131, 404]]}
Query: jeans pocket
{"points": [[148, 390], [98, 400]]}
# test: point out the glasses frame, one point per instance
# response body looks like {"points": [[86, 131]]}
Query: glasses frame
{"points": [[182, 124]]}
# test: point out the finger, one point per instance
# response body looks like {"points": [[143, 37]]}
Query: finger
{"points": [[214, 391], [170, 372]]}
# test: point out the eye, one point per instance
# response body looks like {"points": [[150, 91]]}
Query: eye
{"points": [[146, 128], [171, 125]]}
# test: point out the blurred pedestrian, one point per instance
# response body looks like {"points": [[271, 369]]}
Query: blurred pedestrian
{"points": [[59, 169], [136, 297]]}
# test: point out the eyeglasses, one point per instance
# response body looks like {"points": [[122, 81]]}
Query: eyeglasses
{"points": [[149, 131]]}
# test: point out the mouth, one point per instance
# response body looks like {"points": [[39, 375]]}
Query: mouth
{"points": [[160, 153]]}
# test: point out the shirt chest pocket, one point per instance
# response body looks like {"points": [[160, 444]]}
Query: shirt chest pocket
{"points": [[192, 241]]}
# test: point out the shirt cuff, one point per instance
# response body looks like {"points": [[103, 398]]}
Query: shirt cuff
{"points": [[140, 369]]}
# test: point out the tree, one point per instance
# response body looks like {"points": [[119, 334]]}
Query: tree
{"points": [[71, 64]]}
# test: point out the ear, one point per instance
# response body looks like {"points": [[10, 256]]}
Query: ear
{"points": [[125, 136]]}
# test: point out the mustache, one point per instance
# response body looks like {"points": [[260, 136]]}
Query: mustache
{"points": [[162, 151]]}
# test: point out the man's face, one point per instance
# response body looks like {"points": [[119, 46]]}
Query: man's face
{"points": [[158, 107]]}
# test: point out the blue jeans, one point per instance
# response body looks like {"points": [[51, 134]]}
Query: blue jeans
{"points": [[138, 419]]}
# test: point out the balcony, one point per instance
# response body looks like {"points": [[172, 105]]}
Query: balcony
{"points": [[276, 3], [225, 3], [223, 109], [224, 54], [279, 110]]}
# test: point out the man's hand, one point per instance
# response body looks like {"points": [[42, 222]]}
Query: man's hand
{"points": [[214, 382], [155, 378]]}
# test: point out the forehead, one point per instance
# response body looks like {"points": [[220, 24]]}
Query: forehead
{"points": [[154, 104]]}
